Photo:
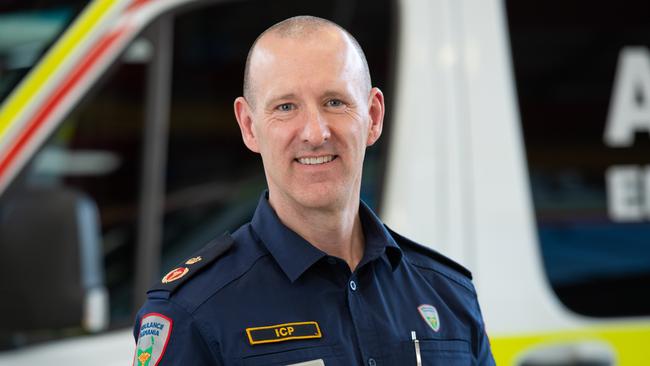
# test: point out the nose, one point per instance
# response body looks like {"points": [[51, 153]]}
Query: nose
{"points": [[316, 131]]}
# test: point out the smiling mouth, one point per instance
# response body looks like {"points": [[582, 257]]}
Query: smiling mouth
{"points": [[316, 160]]}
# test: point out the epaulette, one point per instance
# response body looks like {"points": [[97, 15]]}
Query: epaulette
{"points": [[191, 266], [431, 253]]}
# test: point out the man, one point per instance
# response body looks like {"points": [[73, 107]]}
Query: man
{"points": [[315, 278]]}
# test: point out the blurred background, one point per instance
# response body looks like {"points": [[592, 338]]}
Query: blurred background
{"points": [[517, 141]]}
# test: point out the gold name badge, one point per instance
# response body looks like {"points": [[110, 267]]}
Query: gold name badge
{"points": [[283, 332]]}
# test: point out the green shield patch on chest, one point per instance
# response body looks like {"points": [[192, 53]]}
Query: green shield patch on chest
{"points": [[430, 316]]}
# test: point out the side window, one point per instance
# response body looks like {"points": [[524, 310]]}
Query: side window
{"points": [[583, 82]]}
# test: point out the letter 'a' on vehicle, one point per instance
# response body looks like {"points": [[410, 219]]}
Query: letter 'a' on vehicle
{"points": [[629, 110]]}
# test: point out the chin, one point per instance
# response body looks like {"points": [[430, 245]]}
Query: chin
{"points": [[321, 197]]}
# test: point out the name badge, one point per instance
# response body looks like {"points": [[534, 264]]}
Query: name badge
{"points": [[283, 332]]}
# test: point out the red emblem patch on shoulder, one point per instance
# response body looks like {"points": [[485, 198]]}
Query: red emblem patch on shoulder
{"points": [[175, 274]]}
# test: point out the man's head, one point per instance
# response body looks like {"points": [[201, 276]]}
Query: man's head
{"points": [[309, 110], [302, 27]]}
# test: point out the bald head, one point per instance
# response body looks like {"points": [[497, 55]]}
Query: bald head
{"points": [[302, 27]]}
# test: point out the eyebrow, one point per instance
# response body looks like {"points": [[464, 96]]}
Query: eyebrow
{"points": [[336, 94], [273, 101], [331, 93]]}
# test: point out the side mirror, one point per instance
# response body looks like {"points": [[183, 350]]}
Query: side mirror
{"points": [[51, 270]]}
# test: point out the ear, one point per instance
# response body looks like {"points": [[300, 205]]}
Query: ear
{"points": [[376, 114], [244, 115]]}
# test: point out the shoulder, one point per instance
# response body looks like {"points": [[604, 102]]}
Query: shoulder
{"points": [[190, 267], [428, 259], [205, 272]]}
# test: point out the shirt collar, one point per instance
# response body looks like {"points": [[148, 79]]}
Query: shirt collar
{"points": [[295, 255], [378, 239]]}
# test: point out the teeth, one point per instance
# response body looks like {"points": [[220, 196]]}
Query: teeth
{"points": [[316, 160]]}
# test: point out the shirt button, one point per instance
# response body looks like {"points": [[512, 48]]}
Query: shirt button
{"points": [[372, 362], [353, 285]]}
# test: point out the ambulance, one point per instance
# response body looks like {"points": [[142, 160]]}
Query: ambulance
{"points": [[516, 141]]}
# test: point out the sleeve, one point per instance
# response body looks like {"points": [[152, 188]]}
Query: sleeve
{"points": [[483, 350], [166, 334], [484, 356]]}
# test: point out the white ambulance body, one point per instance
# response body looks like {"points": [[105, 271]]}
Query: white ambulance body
{"points": [[516, 142]]}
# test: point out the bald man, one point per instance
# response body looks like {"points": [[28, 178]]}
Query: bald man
{"points": [[315, 278]]}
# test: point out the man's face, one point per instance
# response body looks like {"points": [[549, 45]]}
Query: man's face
{"points": [[311, 118]]}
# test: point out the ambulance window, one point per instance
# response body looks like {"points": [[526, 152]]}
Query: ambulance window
{"points": [[213, 180], [27, 30], [583, 83]]}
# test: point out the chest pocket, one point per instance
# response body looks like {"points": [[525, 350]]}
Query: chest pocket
{"points": [[433, 352], [293, 356]]}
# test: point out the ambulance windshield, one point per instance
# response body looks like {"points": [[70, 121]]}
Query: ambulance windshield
{"points": [[27, 30]]}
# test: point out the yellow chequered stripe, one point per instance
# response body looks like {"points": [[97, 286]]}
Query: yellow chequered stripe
{"points": [[88, 19], [631, 343]]}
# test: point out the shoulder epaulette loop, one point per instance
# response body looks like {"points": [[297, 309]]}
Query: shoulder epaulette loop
{"points": [[431, 253], [191, 266]]}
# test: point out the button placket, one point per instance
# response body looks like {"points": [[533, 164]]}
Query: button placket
{"points": [[365, 277], [358, 319]]}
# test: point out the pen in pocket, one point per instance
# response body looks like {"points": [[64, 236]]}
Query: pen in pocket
{"points": [[416, 344]]}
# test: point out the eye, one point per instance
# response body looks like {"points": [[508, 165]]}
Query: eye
{"points": [[286, 107], [335, 103]]}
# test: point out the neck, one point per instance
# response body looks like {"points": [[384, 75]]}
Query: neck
{"points": [[337, 232]]}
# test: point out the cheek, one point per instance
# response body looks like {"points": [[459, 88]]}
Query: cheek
{"points": [[351, 141], [278, 139], [358, 133]]}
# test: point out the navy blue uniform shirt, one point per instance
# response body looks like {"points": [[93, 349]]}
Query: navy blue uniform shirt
{"points": [[265, 296]]}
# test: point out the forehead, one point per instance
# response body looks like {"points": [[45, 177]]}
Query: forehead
{"points": [[320, 58]]}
